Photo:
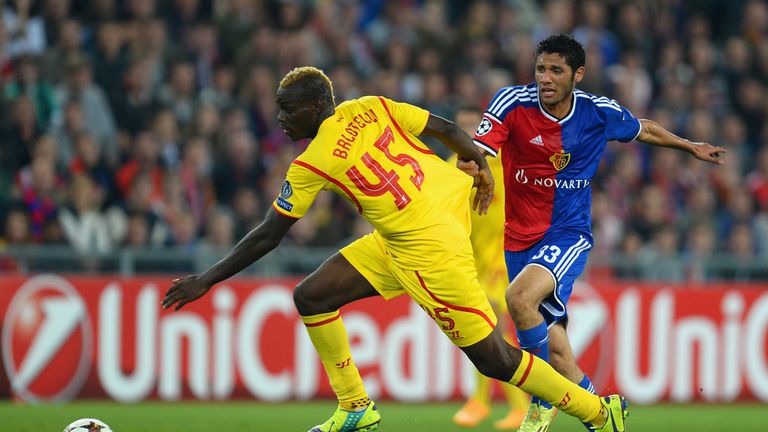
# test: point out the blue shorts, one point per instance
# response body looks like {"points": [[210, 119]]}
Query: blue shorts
{"points": [[564, 255]]}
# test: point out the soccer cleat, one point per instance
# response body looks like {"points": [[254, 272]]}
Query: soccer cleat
{"points": [[538, 418], [471, 414], [512, 421], [617, 409], [349, 421]]}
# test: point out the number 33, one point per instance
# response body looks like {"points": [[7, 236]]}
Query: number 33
{"points": [[554, 252]]}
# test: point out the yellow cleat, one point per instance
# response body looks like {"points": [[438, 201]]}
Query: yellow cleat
{"points": [[351, 421], [512, 421], [617, 409], [538, 418], [471, 414]]}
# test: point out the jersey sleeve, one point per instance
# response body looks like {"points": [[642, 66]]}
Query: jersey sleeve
{"points": [[411, 118], [298, 192], [491, 134], [621, 124]]}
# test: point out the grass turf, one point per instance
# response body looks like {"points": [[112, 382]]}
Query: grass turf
{"points": [[300, 416]]}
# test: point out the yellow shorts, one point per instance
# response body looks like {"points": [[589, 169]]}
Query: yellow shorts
{"points": [[449, 292]]}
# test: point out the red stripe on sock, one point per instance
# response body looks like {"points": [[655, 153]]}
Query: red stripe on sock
{"points": [[323, 322], [527, 370]]}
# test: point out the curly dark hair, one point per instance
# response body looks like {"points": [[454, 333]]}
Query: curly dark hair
{"points": [[566, 46]]}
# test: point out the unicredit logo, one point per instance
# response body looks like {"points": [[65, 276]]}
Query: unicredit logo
{"points": [[46, 340]]}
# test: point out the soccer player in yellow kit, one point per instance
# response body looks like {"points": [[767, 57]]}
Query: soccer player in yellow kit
{"points": [[367, 151], [487, 239]]}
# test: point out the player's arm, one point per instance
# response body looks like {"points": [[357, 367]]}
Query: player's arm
{"points": [[257, 243], [450, 134], [655, 134]]}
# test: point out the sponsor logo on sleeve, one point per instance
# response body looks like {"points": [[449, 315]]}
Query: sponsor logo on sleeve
{"points": [[283, 204]]}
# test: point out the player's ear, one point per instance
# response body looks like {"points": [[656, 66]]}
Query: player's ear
{"points": [[578, 75]]}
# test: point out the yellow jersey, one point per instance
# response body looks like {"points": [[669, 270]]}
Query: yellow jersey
{"points": [[488, 237], [368, 152]]}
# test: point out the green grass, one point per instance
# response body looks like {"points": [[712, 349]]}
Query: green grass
{"points": [[298, 416]]}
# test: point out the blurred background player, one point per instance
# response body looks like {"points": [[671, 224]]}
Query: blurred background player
{"points": [[488, 246], [553, 138]]}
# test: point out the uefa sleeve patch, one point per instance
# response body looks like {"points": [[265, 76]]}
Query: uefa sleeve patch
{"points": [[283, 204], [484, 127], [286, 190]]}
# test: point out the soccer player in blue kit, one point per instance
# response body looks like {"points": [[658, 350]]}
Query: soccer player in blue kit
{"points": [[553, 138]]}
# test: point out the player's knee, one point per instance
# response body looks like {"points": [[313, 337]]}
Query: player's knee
{"points": [[306, 303], [497, 360], [519, 306], [495, 368]]}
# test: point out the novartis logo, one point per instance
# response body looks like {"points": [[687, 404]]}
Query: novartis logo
{"points": [[552, 182], [47, 340]]}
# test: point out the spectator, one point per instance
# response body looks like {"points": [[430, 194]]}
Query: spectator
{"points": [[136, 103], [18, 134], [78, 86], [84, 225], [179, 93], [67, 44], [27, 81], [38, 189], [25, 28], [110, 59]]}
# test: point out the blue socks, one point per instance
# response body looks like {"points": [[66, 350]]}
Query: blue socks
{"points": [[536, 341], [586, 384]]}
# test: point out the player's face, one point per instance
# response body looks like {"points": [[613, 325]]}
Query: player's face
{"points": [[298, 117], [556, 79]]}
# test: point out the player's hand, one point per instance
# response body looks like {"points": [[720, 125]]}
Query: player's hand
{"points": [[484, 194], [708, 152], [183, 291], [469, 168]]}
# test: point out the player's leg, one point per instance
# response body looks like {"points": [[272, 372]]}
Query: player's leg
{"points": [[451, 295], [318, 299], [542, 279], [527, 290], [518, 401], [562, 359], [497, 359], [478, 407]]}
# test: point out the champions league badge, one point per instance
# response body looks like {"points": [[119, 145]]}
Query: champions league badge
{"points": [[484, 127]]}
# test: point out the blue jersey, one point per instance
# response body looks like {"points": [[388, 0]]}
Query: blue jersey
{"points": [[549, 163]]}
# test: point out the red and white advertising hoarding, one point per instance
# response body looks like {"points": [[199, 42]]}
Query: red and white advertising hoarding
{"points": [[89, 337]]}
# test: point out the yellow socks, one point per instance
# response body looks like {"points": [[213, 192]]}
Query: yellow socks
{"points": [[537, 377], [330, 339], [516, 398], [483, 391]]}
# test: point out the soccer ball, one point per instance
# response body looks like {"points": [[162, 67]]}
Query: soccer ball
{"points": [[87, 425]]}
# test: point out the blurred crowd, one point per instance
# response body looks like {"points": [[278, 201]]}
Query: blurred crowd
{"points": [[152, 123]]}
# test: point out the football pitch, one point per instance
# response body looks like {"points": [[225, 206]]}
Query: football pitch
{"points": [[300, 416]]}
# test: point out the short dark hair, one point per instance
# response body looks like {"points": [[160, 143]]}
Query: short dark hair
{"points": [[566, 46]]}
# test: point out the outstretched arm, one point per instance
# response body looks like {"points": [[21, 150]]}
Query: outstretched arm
{"points": [[257, 243], [450, 134], [654, 134]]}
